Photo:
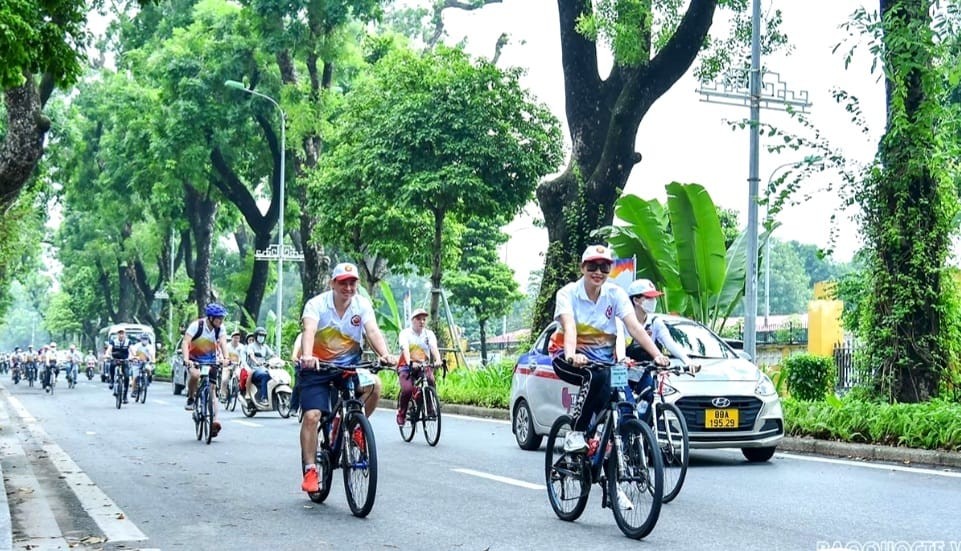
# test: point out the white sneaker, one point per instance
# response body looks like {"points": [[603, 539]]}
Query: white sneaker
{"points": [[574, 442], [624, 502]]}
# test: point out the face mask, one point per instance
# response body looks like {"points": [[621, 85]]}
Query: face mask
{"points": [[649, 305], [261, 339]]}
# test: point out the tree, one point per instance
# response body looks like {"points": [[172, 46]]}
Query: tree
{"points": [[790, 285], [483, 284], [442, 137], [603, 116], [909, 204], [42, 45]]}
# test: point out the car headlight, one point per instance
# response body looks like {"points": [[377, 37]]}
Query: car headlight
{"points": [[668, 390], [764, 386]]}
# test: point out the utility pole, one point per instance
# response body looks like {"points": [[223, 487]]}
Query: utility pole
{"points": [[772, 95]]}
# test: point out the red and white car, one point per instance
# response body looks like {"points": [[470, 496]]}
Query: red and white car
{"points": [[726, 383]]}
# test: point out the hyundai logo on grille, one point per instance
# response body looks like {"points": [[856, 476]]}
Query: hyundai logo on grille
{"points": [[721, 402]]}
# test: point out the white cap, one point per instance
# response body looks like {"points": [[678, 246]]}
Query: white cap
{"points": [[597, 252], [344, 270], [643, 287], [418, 312]]}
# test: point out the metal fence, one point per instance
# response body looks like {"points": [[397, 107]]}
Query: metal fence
{"points": [[788, 332], [848, 376]]}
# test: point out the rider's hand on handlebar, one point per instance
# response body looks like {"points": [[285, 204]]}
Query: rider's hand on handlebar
{"points": [[388, 359], [662, 360], [308, 362], [578, 360]]}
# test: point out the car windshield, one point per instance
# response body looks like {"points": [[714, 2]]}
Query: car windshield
{"points": [[698, 341]]}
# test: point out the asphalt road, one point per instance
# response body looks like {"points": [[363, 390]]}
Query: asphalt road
{"points": [[78, 472]]}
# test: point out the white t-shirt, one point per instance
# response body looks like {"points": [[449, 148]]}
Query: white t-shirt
{"points": [[419, 345], [338, 340], [596, 321], [203, 349]]}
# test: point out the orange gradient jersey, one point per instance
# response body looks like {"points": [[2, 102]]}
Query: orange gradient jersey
{"points": [[338, 339], [596, 322]]}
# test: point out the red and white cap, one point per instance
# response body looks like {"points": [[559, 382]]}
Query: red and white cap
{"points": [[643, 287], [597, 252], [344, 270]]}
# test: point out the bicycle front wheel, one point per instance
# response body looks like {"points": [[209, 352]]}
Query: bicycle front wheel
{"points": [[209, 415], [233, 394], [409, 427], [359, 464], [431, 416], [635, 480], [568, 475], [118, 393], [142, 388], [674, 441]]}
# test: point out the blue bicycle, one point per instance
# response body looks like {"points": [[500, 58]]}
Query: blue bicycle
{"points": [[624, 459], [203, 414]]}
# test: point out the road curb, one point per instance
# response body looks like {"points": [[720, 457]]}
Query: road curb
{"points": [[868, 452], [6, 525]]}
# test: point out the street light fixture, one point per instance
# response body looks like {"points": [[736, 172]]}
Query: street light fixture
{"points": [[280, 230], [812, 160]]}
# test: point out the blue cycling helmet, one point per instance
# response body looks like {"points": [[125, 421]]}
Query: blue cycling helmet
{"points": [[214, 310]]}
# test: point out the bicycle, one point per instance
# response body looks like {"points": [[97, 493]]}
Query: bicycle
{"points": [[668, 425], [49, 377], [424, 407], [31, 372], [141, 381], [203, 414], [624, 461], [231, 397], [71, 375], [345, 439], [121, 382]]}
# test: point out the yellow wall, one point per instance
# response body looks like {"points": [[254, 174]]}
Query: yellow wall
{"points": [[824, 326]]}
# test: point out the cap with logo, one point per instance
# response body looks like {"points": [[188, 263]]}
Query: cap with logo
{"points": [[597, 252], [343, 271], [643, 287]]}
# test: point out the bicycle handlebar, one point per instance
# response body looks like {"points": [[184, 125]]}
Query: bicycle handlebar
{"points": [[373, 366]]}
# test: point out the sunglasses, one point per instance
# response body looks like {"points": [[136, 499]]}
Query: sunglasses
{"points": [[604, 267]]}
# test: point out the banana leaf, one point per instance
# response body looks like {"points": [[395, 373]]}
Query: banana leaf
{"points": [[699, 242]]}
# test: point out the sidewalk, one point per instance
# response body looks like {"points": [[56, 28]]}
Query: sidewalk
{"points": [[867, 452]]}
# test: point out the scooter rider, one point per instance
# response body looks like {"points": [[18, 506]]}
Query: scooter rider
{"points": [[258, 352], [142, 352], [74, 357]]}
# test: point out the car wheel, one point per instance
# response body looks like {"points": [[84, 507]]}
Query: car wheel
{"points": [[524, 433], [758, 455]]}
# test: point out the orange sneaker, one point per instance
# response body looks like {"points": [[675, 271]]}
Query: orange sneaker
{"points": [[359, 440], [311, 483]]}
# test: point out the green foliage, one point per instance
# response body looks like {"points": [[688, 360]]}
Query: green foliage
{"points": [[931, 425], [809, 377], [487, 387], [41, 37], [909, 203], [681, 249]]}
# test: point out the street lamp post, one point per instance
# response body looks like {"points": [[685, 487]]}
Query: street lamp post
{"points": [[280, 221]]}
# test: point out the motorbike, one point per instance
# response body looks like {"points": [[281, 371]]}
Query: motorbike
{"points": [[15, 373], [278, 392], [90, 366]]}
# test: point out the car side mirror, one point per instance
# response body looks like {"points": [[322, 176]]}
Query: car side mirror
{"points": [[744, 355]]}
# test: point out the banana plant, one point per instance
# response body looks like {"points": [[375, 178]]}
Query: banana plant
{"points": [[680, 247]]}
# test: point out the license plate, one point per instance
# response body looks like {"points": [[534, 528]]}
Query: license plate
{"points": [[618, 376], [721, 418]]}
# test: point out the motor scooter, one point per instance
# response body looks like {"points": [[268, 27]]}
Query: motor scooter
{"points": [[278, 391], [90, 366]]}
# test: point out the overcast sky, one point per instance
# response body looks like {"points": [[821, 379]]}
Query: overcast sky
{"points": [[684, 139]]}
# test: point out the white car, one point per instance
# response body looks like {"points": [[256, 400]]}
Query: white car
{"points": [[739, 401]]}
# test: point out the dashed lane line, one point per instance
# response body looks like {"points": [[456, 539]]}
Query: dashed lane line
{"points": [[501, 479]]}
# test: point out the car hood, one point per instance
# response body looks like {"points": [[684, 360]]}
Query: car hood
{"points": [[727, 370]]}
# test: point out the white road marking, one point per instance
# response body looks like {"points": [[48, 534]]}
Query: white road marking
{"points": [[33, 509], [502, 479], [90, 433], [108, 516], [866, 465], [246, 423], [161, 402]]}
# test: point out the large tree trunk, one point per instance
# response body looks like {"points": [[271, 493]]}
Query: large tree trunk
{"points": [[22, 145], [200, 211], [908, 213], [483, 340], [436, 260], [603, 117]]}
